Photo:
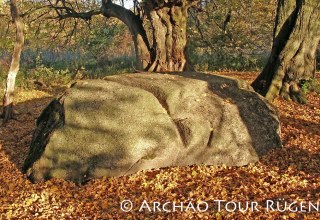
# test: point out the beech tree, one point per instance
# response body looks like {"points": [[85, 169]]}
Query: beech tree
{"points": [[8, 112], [293, 55], [158, 29]]}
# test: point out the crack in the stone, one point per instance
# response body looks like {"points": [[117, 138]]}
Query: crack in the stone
{"points": [[162, 101], [183, 131], [177, 124], [130, 168], [210, 138]]}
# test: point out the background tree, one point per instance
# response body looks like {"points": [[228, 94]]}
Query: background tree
{"points": [[158, 29], [15, 62], [231, 34], [55, 51], [293, 55]]}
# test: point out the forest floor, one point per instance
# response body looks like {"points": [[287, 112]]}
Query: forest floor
{"points": [[287, 175]]}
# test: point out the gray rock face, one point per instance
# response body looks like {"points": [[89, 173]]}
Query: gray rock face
{"points": [[127, 123]]}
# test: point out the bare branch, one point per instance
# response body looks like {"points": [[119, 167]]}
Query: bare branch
{"points": [[67, 11], [32, 10], [82, 15]]}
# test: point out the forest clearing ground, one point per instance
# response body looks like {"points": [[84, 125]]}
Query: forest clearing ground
{"points": [[291, 173]]}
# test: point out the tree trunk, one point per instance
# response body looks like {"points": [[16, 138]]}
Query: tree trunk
{"points": [[135, 25], [169, 37], [158, 32], [15, 63], [293, 55]]}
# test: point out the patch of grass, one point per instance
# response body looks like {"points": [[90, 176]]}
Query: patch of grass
{"points": [[59, 74], [99, 69], [46, 75], [205, 60]]}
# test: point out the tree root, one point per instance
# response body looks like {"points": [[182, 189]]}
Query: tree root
{"points": [[292, 92], [8, 114]]}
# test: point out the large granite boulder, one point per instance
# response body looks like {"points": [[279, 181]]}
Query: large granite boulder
{"points": [[127, 123]]}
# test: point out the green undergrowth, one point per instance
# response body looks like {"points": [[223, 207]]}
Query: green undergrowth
{"points": [[312, 85]]}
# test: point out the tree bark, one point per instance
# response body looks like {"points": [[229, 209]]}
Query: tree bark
{"points": [[293, 55], [158, 32], [15, 63], [169, 37]]}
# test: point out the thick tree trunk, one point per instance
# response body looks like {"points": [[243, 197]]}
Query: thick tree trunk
{"points": [[159, 33], [293, 55], [169, 37], [14, 67]]}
